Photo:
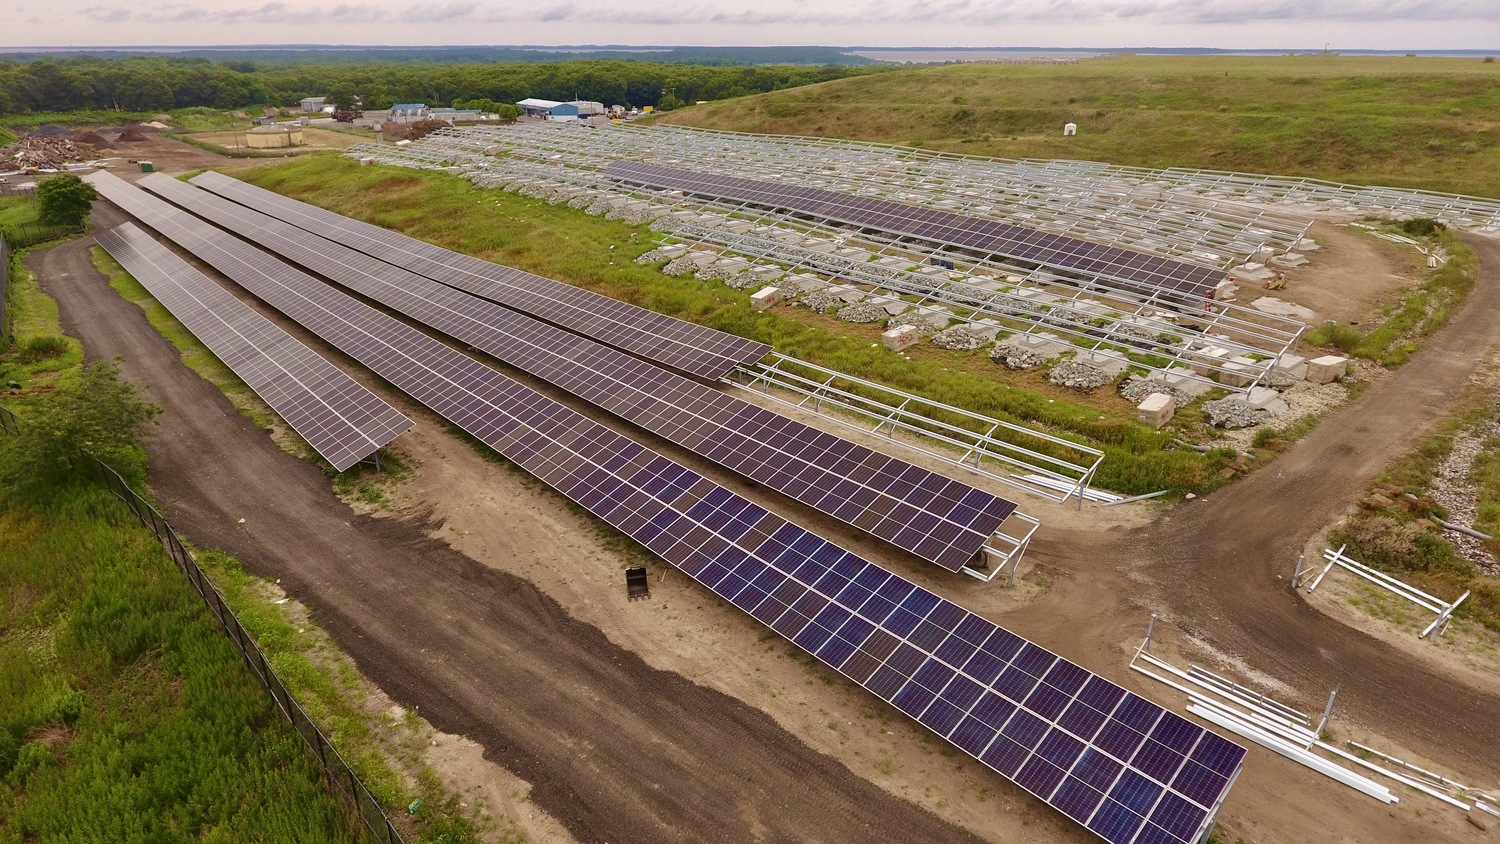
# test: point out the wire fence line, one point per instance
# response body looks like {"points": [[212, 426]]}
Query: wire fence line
{"points": [[4, 293], [334, 766]]}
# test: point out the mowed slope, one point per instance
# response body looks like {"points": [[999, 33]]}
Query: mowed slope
{"points": [[1410, 122]]}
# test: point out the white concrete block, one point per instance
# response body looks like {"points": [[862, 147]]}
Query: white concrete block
{"points": [[1205, 360], [1239, 372], [765, 297], [1261, 397], [1327, 368], [1157, 410], [899, 338]]}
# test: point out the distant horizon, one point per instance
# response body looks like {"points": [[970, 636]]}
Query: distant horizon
{"points": [[311, 47]]}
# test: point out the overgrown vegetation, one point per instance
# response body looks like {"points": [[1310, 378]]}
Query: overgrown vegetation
{"points": [[168, 731], [1423, 310], [599, 254], [1407, 122], [1400, 536]]}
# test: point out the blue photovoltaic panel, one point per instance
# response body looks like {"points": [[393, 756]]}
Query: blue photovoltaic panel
{"points": [[939, 519], [341, 419], [851, 614], [667, 340], [1135, 271]]}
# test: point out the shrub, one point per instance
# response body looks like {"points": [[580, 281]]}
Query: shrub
{"points": [[1422, 227], [40, 348]]}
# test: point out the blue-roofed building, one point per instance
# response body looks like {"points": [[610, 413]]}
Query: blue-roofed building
{"points": [[553, 110], [409, 112]]}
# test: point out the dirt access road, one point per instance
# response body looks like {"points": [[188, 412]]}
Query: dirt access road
{"points": [[615, 750], [1218, 566]]}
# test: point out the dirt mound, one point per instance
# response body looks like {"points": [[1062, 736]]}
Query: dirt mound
{"points": [[93, 139], [131, 135], [53, 130]]}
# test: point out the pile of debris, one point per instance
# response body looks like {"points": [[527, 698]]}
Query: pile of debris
{"points": [[93, 139], [131, 135], [1135, 389], [862, 312], [964, 338], [1077, 375], [1015, 353], [1233, 413], [44, 151]]}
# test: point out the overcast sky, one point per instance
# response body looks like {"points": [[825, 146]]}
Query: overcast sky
{"points": [[1243, 24]]}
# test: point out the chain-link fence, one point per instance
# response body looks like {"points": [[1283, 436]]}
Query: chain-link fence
{"points": [[4, 293], [338, 771]]}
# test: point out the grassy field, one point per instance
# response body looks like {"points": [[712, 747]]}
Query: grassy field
{"points": [[1411, 122], [592, 252]]}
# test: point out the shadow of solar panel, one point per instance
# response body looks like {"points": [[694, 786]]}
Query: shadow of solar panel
{"points": [[1059, 252], [341, 419], [682, 345], [805, 572]]}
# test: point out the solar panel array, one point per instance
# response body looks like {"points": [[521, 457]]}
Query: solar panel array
{"points": [[1114, 762], [682, 345], [1061, 253], [341, 419], [939, 519]]}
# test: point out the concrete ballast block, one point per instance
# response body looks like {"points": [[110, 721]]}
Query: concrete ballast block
{"points": [[899, 338], [765, 297], [1325, 369], [1157, 410]]}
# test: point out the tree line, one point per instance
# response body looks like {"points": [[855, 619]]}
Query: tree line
{"points": [[159, 83]]}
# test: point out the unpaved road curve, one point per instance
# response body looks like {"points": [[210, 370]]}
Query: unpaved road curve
{"points": [[615, 750], [1218, 559]]}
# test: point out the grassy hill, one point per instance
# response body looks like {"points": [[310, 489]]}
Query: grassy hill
{"points": [[1411, 122]]}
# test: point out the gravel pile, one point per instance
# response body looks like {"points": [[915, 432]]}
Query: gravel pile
{"points": [[599, 208], [1135, 389], [582, 200], [743, 281], [1013, 354], [1079, 376], [923, 322], [722, 270], [862, 312], [679, 267], [822, 301], [1233, 413], [640, 215], [652, 257], [666, 223], [798, 286], [1452, 489], [963, 338], [1278, 380]]}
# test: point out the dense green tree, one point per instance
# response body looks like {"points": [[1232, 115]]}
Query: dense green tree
{"points": [[65, 200], [98, 415]]}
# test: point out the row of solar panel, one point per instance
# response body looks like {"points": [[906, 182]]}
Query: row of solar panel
{"points": [[1066, 255], [341, 419], [937, 518], [667, 340], [1116, 763]]}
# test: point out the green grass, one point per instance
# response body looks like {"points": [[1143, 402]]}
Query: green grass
{"points": [[35, 316], [598, 254], [194, 119], [125, 713], [1424, 310], [1409, 122]]}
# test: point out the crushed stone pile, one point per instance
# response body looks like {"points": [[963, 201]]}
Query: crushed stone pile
{"points": [[44, 151], [131, 135], [862, 312], [1014, 354], [1076, 375], [797, 286], [93, 139], [726, 271], [1233, 413], [1135, 389], [822, 301], [963, 338], [679, 267], [925, 323], [742, 280]]}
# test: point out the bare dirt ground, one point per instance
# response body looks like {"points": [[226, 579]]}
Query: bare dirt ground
{"points": [[496, 607], [316, 139], [169, 156], [1349, 278]]}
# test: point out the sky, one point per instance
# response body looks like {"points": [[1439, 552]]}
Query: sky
{"points": [[1232, 24]]}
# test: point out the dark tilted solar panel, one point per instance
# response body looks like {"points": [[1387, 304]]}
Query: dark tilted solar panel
{"points": [[939, 519], [1057, 252], [1116, 763], [339, 417], [682, 345]]}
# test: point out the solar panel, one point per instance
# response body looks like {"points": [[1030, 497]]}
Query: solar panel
{"points": [[935, 661], [1069, 255], [939, 519], [341, 419], [694, 349]]}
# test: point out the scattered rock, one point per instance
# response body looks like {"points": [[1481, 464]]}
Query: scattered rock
{"points": [[1016, 354], [679, 267], [1234, 412], [822, 301], [1076, 375], [862, 312], [964, 338], [1135, 389]]}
